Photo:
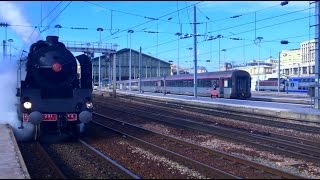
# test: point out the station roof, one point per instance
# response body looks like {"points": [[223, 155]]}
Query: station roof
{"points": [[134, 51]]}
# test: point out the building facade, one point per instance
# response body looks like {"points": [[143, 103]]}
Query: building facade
{"points": [[298, 62], [258, 70]]}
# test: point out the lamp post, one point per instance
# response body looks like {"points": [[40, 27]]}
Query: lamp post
{"points": [[210, 39], [10, 41], [219, 36], [130, 31], [190, 49], [259, 39], [224, 56], [58, 26], [244, 50], [281, 42], [179, 35], [100, 29], [114, 71]]}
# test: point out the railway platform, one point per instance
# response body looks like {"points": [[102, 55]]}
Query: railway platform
{"points": [[299, 112], [297, 98], [306, 101], [12, 165]]}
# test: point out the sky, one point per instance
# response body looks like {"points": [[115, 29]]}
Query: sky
{"points": [[252, 19]]}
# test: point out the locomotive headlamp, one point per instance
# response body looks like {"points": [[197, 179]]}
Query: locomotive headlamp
{"points": [[27, 105], [89, 105]]}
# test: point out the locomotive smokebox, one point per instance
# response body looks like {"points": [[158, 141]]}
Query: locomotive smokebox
{"points": [[52, 39]]}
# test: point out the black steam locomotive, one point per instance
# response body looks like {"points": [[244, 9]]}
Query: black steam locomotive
{"points": [[54, 96]]}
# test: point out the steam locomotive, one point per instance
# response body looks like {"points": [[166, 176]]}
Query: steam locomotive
{"points": [[56, 95]]}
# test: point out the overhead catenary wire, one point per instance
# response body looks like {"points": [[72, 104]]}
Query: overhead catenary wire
{"points": [[239, 15], [235, 47], [245, 31], [188, 16], [152, 20], [48, 26], [262, 42], [259, 20], [285, 14], [128, 13], [43, 19], [251, 22]]}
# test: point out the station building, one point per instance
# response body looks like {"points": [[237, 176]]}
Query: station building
{"points": [[150, 67]]}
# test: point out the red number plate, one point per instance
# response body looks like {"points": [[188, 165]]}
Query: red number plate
{"points": [[72, 117], [52, 117], [25, 116], [49, 117]]}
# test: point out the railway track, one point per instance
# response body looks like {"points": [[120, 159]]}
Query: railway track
{"points": [[39, 164], [70, 160], [252, 118], [297, 147], [204, 158]]}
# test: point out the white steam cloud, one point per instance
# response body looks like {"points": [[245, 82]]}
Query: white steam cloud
{"points": [[9, 101], [12, 14]]}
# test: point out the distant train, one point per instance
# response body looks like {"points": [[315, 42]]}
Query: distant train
{"points": [[234, 84], [54, 96], [300, 84], [292, 84], [270, 85]]}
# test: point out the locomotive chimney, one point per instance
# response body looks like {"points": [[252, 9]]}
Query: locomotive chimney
{"points": [[52, 39]]}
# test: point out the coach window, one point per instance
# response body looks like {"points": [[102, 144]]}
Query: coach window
{"points": [[190, 83], [200, 83], [207, 83], [179, 83], [204, 83], [185, 83], [226, 83], [214, 82]]}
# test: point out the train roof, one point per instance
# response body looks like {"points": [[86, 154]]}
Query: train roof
{"points": [[302, 77]]}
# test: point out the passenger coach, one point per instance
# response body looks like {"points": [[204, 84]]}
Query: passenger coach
{"points": [[230, 84]]}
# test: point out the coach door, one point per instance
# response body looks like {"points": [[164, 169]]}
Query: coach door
{"points": [[242, 85], [221, 87]]}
